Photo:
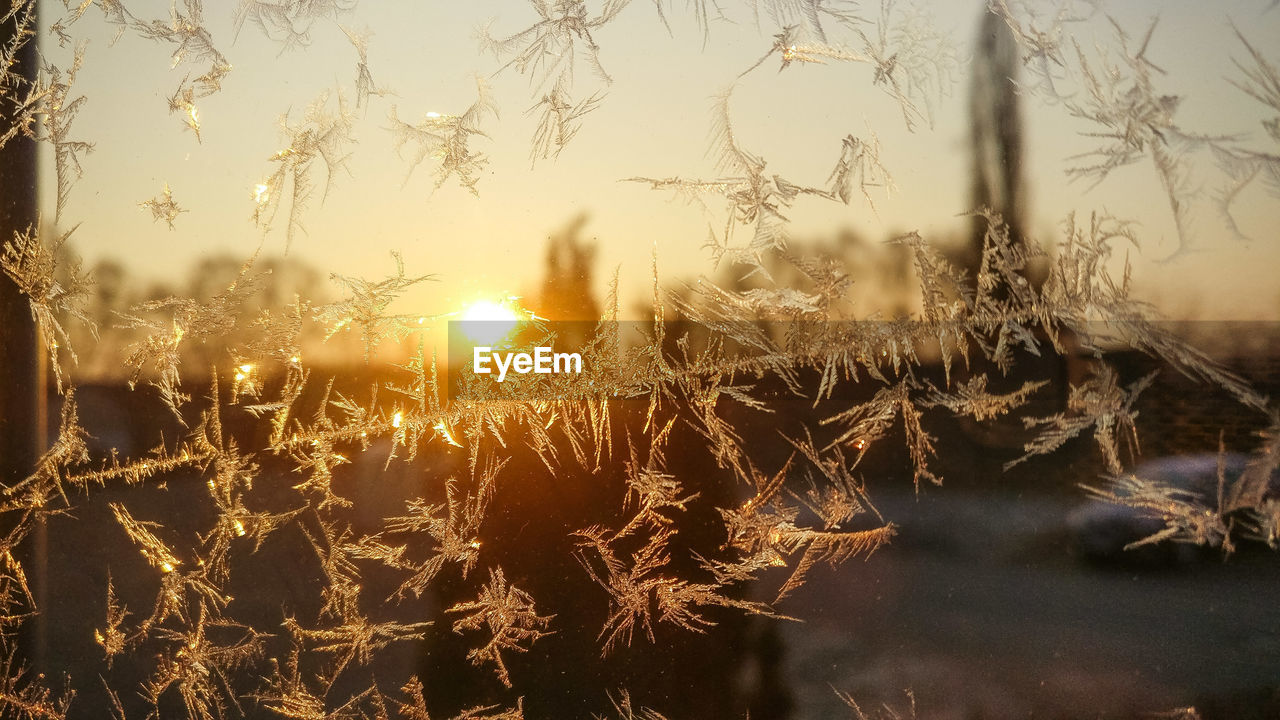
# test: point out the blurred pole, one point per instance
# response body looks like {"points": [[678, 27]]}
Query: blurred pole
{"points": [[995, 126], [996, 138], [22, 386]]}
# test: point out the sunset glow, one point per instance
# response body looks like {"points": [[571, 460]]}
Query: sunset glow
{"points": [[486, 322]]}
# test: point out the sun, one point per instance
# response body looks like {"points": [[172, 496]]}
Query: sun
{"points": [[486, 322]]}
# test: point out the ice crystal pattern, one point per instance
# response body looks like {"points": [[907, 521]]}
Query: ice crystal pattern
{"points": [[268, 450], [163, 207]]}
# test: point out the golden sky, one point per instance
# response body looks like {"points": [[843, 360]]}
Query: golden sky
{"points": [[654, 120]]}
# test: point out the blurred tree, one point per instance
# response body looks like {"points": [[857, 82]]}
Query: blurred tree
{"points": [[566, 292], [995, 134]]}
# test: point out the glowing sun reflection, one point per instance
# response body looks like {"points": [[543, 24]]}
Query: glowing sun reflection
{"points": [[486, 322]]}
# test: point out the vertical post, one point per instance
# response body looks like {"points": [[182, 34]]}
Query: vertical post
{"points": [[22, 386], [20, 393], [995, 127]]}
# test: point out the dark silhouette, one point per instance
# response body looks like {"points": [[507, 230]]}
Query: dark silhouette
{"points": [[22, 406], [995, 132], [566, 292]]}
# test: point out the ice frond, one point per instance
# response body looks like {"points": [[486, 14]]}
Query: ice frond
{"points": [[453, 527], [548, 51], [54, 293], [1093, 302], [365, 85], [1262, 77], [1239, 503], [290, 692], [365, 308], [642, 589], [26, 695], [183, 321], [51, 101], [729, 156], [1248, 166], [912, 61], [971, 399], [163, 207], [153, 549], [1042, 33], [655, 495], [859, 168], [941, 282], [1133, 120], [448, 138], [624, 710], [288, 22], [1184, 513], [1100, 403], [197, 664], [704, 13], [865, 423], [185, 30], [506, 616], [111, 638], [1254, 493], [192, 43], [356, 639], [558, 123], [884, 712], [27, 96], [824, 546], [809, 15], [323, 134], [53, 468], [755, 200], [416, 707], [765, 533]]}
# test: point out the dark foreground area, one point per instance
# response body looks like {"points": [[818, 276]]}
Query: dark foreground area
{"points": [[989, 612], [992, 601]]}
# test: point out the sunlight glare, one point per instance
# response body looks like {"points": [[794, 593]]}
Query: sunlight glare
{"points": [[486, 322]]}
